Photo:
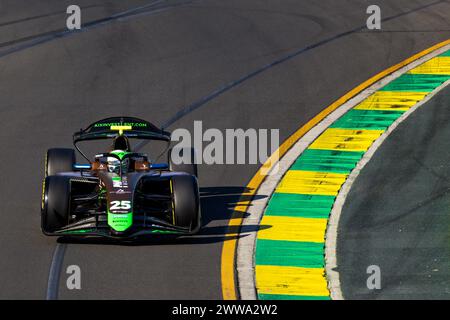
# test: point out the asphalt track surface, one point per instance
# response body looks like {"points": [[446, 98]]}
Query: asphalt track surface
{"points": [[396, 214], [152, 64]]}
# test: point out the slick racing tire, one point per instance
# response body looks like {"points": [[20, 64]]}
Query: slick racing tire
{"points": [[59, 160], [56, 203], [186, 202], [190, 167]]}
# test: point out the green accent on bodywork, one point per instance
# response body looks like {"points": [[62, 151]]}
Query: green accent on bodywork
{"points": [[367, 119], [445, 54], [416, 82], [165, 231], [327, 161], [264, 296], [120, 154], [120, 221], [78, 231], [299, 205], [289, 253]]}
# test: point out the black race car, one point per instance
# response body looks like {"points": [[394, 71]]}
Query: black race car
{"points": [[119, 194]]}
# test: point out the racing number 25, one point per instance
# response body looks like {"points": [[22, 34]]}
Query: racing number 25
{"points": [[120, 205]]}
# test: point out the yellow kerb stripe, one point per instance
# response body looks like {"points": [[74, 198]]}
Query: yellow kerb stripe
{"points": [[391, 100], [291, 281], [292, 229], [346, 139], [438, 65], [311, 182]]}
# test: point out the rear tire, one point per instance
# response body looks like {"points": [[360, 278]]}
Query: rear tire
{"points": [[56, 203], [190, 167], [186, 202], [59, 160]]}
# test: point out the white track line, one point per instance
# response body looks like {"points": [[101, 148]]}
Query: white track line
{"points": [[55, 271], [246, 243]]}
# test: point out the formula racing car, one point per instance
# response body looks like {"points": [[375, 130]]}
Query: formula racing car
{"points": [[120, 193]]}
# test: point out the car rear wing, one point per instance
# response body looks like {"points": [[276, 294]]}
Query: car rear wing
{"points": [[129, 127], [126, 126]]}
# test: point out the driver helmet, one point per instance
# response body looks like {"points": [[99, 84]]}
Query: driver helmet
{"points": [[114, 164]]}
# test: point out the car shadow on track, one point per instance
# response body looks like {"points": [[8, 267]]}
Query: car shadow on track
{"points": [[217, 204]]}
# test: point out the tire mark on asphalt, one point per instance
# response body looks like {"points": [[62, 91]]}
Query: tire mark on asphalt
{"points": [[230, 85], [32, 41], [46, 15]]}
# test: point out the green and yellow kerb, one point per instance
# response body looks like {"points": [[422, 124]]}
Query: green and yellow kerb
{"points": [[290, 253]]}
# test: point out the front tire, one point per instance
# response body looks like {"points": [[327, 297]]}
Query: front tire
{"points": [[59, 160], [186, 202], [56, 203]]}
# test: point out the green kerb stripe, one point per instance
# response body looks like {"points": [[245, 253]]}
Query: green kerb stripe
{"points": [[416, 83], [289, 253], [299, 205], [327, 161], [367, 119], [264, 296]]}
